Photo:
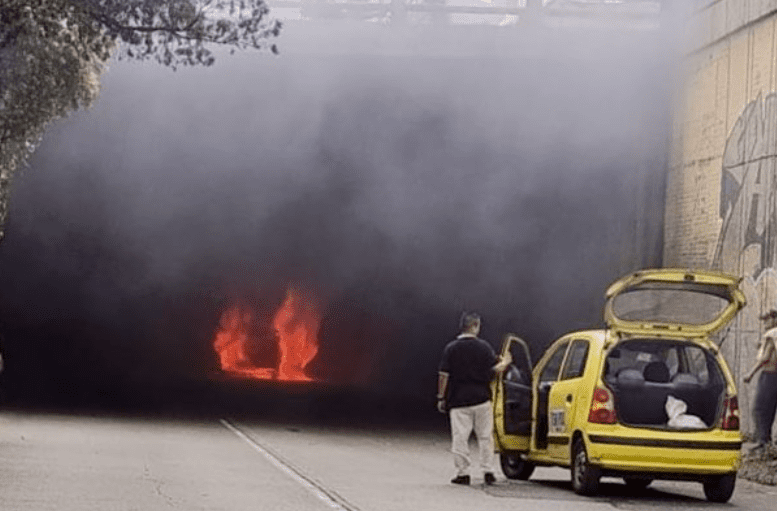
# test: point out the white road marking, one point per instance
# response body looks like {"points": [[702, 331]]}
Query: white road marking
{"points": [[328, 497]]}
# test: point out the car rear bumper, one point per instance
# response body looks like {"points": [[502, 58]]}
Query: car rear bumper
{"points": [[694, 455]]}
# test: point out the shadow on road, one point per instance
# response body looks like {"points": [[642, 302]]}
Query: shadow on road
{"points": [[611, 492]]}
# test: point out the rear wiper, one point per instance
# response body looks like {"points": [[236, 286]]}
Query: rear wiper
{"points": [[724, 336]]}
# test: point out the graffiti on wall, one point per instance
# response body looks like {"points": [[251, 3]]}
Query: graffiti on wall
{"points": [[747, 242]]}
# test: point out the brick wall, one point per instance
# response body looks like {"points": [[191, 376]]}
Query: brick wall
{"points": [[721, 198]]}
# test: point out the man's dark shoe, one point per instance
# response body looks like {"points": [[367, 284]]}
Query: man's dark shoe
{"points": [[460, 480], [489, 478]]}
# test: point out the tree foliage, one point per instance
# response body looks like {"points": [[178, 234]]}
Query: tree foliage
{"points": [[53, 52]]}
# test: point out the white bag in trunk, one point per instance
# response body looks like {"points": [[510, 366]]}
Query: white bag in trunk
{"points": [[675, 409]]}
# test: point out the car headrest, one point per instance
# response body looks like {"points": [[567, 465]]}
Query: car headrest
{"points": [[630, 377], [656, 372], [685, 379]]}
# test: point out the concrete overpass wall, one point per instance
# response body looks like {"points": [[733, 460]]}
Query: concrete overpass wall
{"points": [[721, 189]]}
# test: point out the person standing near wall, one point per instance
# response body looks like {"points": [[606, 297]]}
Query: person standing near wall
{"points": [[463, 390], [765, 404]]}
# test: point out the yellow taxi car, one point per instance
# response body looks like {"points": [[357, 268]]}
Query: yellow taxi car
{"points": [[648, 397]]}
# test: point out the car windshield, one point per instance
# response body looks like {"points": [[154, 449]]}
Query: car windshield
{"points": [[658, 302]]}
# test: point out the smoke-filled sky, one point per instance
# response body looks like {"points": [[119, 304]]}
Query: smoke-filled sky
{"points": [[400, 177]]}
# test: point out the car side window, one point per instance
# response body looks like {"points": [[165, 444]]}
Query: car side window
{"points": [[520, 370], [575, 365], [697, 364], [551, 369]]}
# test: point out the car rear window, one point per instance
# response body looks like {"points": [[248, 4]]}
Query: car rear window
{"points": [[665, 303]]}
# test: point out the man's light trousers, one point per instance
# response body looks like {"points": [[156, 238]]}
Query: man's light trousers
{"points": [[465, 420]]}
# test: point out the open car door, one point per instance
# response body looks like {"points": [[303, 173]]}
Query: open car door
{"points": [[513, 399]]}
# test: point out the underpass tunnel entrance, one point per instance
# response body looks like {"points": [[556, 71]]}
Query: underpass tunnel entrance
{"points": [[372, 199]]}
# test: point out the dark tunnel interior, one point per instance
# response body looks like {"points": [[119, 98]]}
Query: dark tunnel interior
{"points": [[398, 190]]}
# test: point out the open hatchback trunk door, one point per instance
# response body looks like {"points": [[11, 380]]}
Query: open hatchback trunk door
{"points": [[672, 302]]}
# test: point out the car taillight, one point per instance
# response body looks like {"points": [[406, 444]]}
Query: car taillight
{"points": [[602, 407], [730, 414]]}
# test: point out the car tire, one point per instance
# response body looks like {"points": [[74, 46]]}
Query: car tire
{"points": [[585, 477], [637, 483], [720, 488], [515, 466]]}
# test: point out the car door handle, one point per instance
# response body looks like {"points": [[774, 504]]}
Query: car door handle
{"points": [[569, 398]]}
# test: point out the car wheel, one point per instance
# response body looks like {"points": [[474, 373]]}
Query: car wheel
{"points": [[585, 477], [515, 466], [637, 483], [720, 488]]}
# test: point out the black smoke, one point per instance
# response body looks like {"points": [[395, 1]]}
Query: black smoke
{"points": [[516, 175]]}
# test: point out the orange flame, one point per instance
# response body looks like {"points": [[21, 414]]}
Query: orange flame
{"points": [[296, 324]]}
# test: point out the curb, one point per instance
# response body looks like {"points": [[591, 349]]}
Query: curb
{"points": [[760, 467]]}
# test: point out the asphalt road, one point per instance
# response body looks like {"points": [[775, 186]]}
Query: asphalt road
{"points": [[64, 463]]}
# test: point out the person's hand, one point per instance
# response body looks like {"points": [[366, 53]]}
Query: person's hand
{"points": [[503, 362], [441, 406]]}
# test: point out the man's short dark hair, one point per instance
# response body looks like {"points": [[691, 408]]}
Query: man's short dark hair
{"points": [[469, 319]]}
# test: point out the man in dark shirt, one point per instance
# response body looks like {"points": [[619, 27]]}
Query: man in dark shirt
{"points": [[463, 389]]}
